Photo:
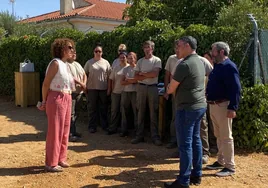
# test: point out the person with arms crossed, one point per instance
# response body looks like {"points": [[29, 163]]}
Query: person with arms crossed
{"points": [[116, 77], [129, 93], [146, 72]]}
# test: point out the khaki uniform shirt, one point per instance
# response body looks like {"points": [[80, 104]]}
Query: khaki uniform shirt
{"points": [[129, 72], [148, 65], [98, 73], [172, 63], [77, 72], [116, 76], [116, 62]]}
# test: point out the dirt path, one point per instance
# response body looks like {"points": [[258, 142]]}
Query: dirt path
{"points": [[100, 160]]}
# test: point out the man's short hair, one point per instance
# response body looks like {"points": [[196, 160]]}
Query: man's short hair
{"points": [[222, 46], [176, 42], [190, 40], [150, 43]]}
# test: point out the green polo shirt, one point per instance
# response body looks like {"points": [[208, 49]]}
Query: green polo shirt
{"points": [[190, 94]]}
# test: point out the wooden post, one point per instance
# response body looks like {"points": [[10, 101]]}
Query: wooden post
{"points": [[27, 88], [161, 116]]}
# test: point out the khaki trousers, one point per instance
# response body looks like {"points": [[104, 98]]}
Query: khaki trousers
{"points": [[223, 132], [147, 94]]}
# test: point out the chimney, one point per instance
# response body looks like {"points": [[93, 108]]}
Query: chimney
{"points": [[66, 6]]}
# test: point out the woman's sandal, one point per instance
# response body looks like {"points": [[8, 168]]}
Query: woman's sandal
{"points": [[64, 164], [53, 168]]}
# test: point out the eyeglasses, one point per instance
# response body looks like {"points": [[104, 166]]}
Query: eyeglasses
{"points": [[70, 47], [97, 51]]}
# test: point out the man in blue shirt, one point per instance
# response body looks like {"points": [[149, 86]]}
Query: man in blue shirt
{"points": [[223, 95]]}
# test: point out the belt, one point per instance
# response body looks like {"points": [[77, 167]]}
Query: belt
{"points": [[217, 101], [148, 84], [63, 91]]}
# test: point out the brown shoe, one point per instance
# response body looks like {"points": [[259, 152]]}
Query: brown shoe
{"points": [[53, 168], [64, 164]]}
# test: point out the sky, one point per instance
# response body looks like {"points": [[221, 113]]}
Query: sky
{"points": [[22, 8]]}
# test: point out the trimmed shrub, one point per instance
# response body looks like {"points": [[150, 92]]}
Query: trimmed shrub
{"points": [[250, 128], [15, 49]]}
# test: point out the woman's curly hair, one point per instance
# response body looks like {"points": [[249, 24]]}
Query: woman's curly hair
{"points": [[57, 47]]}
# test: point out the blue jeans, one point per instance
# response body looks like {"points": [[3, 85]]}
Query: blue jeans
{"points": [[187, 125]]}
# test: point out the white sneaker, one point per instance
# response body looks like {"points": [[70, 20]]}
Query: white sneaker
{"points": [[225, 172]]}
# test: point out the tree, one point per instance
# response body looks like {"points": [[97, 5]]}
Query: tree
{"points": [[179, 12], [2, 32], [236, 16], [7, 21]]}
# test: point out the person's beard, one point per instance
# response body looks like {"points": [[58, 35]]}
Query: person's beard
{"points": [[216, 59]]}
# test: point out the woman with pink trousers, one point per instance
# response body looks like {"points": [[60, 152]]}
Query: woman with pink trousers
{"points": [[57, 101]]}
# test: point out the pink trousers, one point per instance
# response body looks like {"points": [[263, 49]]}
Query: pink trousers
{"points": [[58, 110]]}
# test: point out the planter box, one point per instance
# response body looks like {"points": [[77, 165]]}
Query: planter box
{"points": [[27, 88]]}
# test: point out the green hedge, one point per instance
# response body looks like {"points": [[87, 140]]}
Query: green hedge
{"points": [[250, 128], [14, 50]]}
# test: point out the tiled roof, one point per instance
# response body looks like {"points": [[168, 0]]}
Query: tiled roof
{"points": [[96, 9]]}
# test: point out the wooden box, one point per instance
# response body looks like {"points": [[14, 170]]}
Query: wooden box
{"points": [[162, 116], [27, 88]]}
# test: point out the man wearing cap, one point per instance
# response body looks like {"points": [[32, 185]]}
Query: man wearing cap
{"points": [[146, 72]]}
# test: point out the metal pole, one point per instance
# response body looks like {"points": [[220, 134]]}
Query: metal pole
{"points": [[245, 54], [255, 47], [13, 2]]}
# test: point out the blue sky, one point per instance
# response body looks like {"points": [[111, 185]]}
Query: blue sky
{"points": [[33, 7]]}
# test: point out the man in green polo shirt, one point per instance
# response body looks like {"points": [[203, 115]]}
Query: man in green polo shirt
{"points": [[188, 83]]}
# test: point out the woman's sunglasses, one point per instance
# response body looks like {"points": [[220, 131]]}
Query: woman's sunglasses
{"points": [[70, 47]]}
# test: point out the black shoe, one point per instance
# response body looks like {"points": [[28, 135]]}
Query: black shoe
{"points": [[171, 145], [195, 180], [92, 130], [73, 138], [175, 154], [175, 184], [137, 140], [157, 142], [215, 166], [79, 135], [123, 134], [213, 150], [110, 132]]}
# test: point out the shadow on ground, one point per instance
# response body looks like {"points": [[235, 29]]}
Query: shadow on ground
{"points": [[22, 171]]}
